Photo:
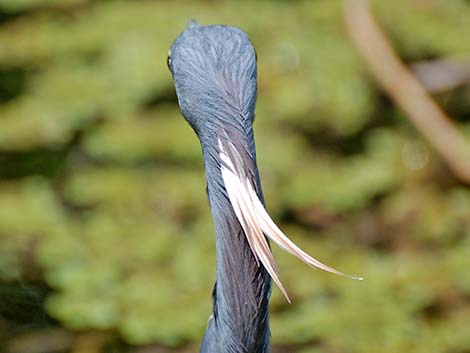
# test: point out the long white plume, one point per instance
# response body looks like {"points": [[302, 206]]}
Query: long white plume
{"points": [[255, 220]]}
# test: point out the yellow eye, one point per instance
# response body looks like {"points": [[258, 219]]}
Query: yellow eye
{"points": [[168, 62]]}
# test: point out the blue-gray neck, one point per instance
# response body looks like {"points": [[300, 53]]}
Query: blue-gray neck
{"points": [[239, 323]]}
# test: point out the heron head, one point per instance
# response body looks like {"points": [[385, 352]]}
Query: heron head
{"points": [[214, 71]]}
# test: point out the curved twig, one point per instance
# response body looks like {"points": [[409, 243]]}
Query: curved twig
{"points": [[405, 90]]}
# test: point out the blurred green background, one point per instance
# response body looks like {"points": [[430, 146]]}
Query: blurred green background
{"points": [[106, 241]]}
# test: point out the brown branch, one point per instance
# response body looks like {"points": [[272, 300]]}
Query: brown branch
{"points": [[405, 90]]}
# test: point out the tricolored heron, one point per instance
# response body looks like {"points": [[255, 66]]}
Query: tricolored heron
{"points": [[214, 71]]}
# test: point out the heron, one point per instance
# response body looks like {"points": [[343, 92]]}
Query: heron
{"points": [[214, 70]]}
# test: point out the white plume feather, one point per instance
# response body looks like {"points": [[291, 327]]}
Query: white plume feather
{"points": [[257, 223]]}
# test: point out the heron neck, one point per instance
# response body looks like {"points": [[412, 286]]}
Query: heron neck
{"points": [[242, 289]]}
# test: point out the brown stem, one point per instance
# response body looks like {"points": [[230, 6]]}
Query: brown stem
{"points": [[405, 90]]}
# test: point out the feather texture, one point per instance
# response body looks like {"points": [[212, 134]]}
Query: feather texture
{"points": [[255, 220]]}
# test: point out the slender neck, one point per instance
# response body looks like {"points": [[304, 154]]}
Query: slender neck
{"points": [[242, 289]]}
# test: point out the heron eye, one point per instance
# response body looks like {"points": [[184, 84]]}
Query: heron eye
{"points": [[168, 62]]}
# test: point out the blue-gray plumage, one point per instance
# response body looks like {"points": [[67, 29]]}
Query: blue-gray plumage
{"points": [[214, 71]]}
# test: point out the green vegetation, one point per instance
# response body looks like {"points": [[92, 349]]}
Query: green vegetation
{"points": [[104, 222]]}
